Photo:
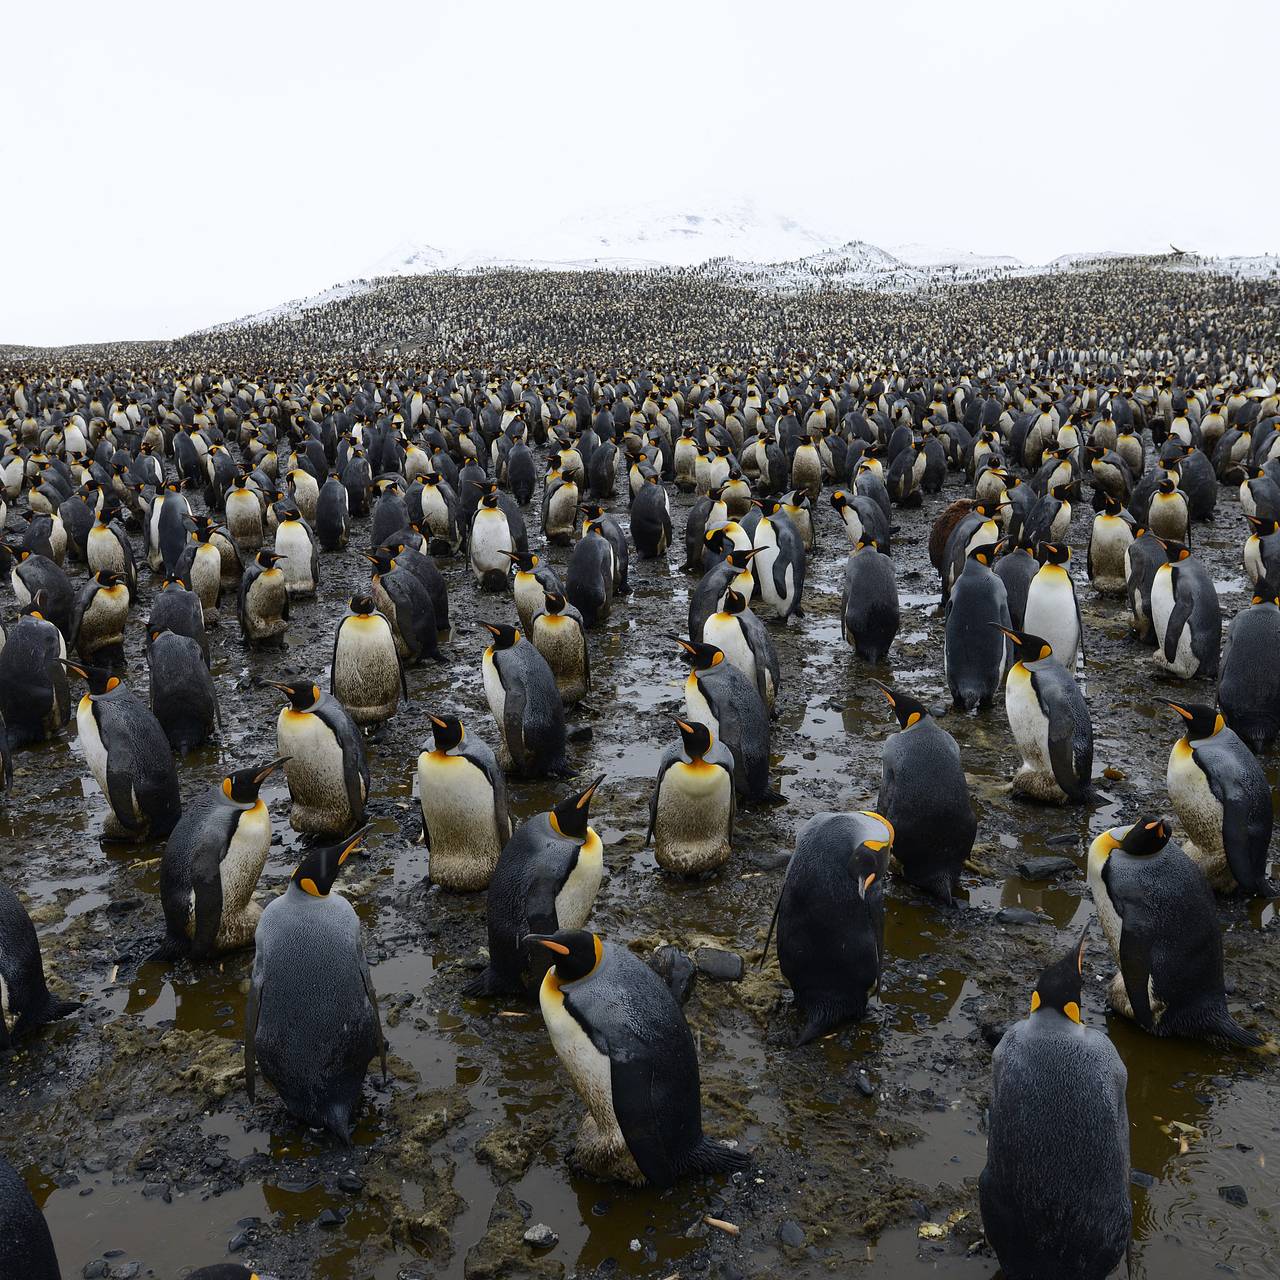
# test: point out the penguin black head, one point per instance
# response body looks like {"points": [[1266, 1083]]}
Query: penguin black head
{"points": [[302, 696], [1053, 552], [984, 554], [1265, 592], [554, 602], [700, 656], [907, 709], [523, 561], [1144, 837], [1111, 506], [106, 578], [839, 499], [696, 738], [100, 679], [1059, 985], [447, 731], [1167, 483], [864, 864], [361, 605], [174, 580], [576, 952], [1031, 648], [592, 510], [1201, 721], [504, 636], [1261, 528], [268, 559], [383, 560], [741, 559], [319, 869], [489, 500], [242, 786], [734, 601], [571, 815], [1174, 551]]}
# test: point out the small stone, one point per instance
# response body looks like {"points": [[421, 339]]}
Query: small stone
{"points": [[719, 966], [1234, 1194], [865, 1087], [238, 1242], [1140, 1179], [1058, 841], [95, 1270], [768, 860], [600, 1208], [1016, 915], [541, 1236], [1044, 868], [126, 1271], [791, 1234], [330, 1218], [350, 1183]]}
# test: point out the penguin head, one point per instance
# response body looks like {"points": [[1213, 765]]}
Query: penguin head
{"points": [[700, 656], [383, 560], [734, 601], [106, 578], [696, 738], [984, 554], [302, 696], [864, 864], [571, 815], [447, 732], [592, 510], [1053, 552], [1058, 987], [99, 678], [1060, 491], [1031, 648], [361, 606], [554, 602], [575, 952], [504, 636], [741, 559], [907, 709], [1261, 528], [242, 785], [1145, 837], [1265, 592], [1174, 551], [319, 869], [839, 499], [1167, 483], [267, 559], [1111, 506], [1201, 721], [523, 561]]}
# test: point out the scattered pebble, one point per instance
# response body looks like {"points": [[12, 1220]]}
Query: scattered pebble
{"points": [[1234, 1194], [541, 1236]]}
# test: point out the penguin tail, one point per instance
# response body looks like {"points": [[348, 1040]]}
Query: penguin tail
{"points": [[487, 984], [50, 1011], [1222, 1026], [710, 1156], [170, 949], [820, 1019]]}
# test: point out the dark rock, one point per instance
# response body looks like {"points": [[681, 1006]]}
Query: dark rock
{"points": [[1016, 915], [95, 1270], [768, 860], [330, 1218], [349, 1183], [791, 1234], [541, 1236], [1234, 1194], [1140, 1179], [675, 969], [241, 1240], [719, 966], [865, 1087], [1045, 868], [126, 1270]]}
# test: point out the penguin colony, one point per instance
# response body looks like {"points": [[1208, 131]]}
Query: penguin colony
{"points": [[200, 492]]}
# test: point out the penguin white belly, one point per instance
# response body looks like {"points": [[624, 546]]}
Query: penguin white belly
{"points": [[20, 589], [1198, 809], [1108, 917], [245, 857], [243, 516], [806, 470], [578, 893], [366, 670], [696, 707], [490, 539], [695, 805], [315, 770], [1253, 559], [1247, 504], [562, 511], [529, 597], [724, 631], [493, 689], [590, 1070], [457, 809], [294, 545], [1162, 600], [1111, 539], [4, 997], [1051, 613], [561, 642], [1030, 728], [852, 525], [95, 750]]}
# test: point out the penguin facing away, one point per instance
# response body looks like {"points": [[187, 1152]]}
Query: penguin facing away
{"points": [[26, 1247], [24, 993]]}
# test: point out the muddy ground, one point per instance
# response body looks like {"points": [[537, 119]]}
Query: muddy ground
{"points": [[131, 1121]]}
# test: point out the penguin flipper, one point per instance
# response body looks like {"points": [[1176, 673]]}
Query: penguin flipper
{"points": [[513, 723], [367, 979], [1246, 824], [1178, 619], [1135, 969], [206, 887], [120, 796], [631, 1081]]}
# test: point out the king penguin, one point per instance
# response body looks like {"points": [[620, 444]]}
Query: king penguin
{"points": [[366, 675], [525, 701], [974, 653], [1161, 923], [1053, 611], [1055, 1190], [869, 611], [26, 1247], [744, 641], [24, 992], [624, 1042], [558, 633], [1186, 615], [1249, 681], [35, 701], [692, 806], [311, 1019]]}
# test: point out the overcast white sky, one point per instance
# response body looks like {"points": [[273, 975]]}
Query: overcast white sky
{"points": [[170, 165]]}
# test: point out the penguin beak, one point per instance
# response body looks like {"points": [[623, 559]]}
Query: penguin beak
{"points": [[1012, 635], [74, 668], [888, 693], [869, 881], [585, 798], [492, 628], [1084, 935], [683, 727], [435, 720], [352, 841], [286, 689], [1182, 711], [542, 941], [684, 644], [267, 770]]}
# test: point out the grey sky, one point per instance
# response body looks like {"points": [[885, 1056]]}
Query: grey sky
{"points": [[168, 166]]}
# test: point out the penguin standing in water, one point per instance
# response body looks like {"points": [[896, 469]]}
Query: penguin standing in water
{"points": [[559, 635], [26, 1247], [1161, 923], [1050, 723], [1055, 1190], [1110, 537], [924, 796], [23, 989], [129, 756], [366, 675], [463, 797], [326, 767], [35, 701], [624, 1042], [1221, 796], [974, 653], [744, 641], [780, 561], [211, 866], [718, 695], [546, 879], [692, 806], [1053, 611], [525, 700], [263, 601], [869, 612], [183, 696], [830, 918], [1249, 683], [530, 583], [1186, 616], [311, 1019]]}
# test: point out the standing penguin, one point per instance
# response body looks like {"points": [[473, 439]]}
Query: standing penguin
{"points": [[333, 520], [24, 991], [98, 622], [692, 806], [924, 796], [490, 544], [744, 641], [1109, 538], [1055, 1190], [718, 695], [129, 756], [311, 1019], [263, 600], [26, 1247], [624, 1042], [546, 879], [974, 653], [558, 634], [589, 578], [35, 701], [298, 549], [1249, 682], [780, 560], [463, 797], [1142, 558], [531, 579], [366, 675], [1186, 616], [1053, 611], [525, 701], [869, 613], [651, 519], [1223, 800], [734, 572], [327, 771], [1161, 923], [183, 696], [830, 918], [1050, 723], [211, 865], [1167, 516], [403, 599]]}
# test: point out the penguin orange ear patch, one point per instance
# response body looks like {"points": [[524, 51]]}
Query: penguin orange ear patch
{"points": [[1035, 1001], [1072, 1010]]}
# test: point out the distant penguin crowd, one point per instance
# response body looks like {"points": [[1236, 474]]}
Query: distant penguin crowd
{"points": [[161, 493]]}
